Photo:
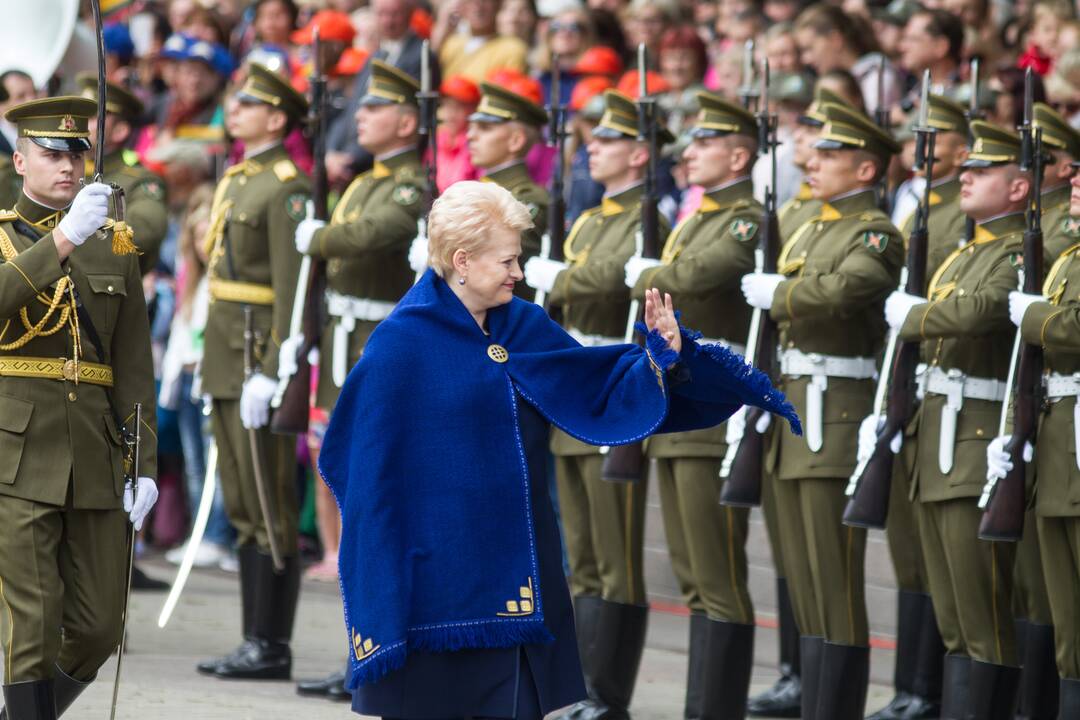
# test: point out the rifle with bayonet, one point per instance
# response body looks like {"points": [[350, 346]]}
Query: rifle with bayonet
{"points": [[1004, 501], [551, 244], [291, 400], [883, 121], [624, 463], [133, 441], [429, 143], [742, 465], [871, 483], [972, 114], [748, 89]]}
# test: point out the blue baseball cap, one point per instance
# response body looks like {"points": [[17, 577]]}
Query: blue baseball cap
{"points": [[213, 54], [118, 41], [176, 46]]}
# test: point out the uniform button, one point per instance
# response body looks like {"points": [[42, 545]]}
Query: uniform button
{"points": [[242, 180], [843, 415], [791, 343], [110, 288], [979, 432], [243, 216], [72, 396]]}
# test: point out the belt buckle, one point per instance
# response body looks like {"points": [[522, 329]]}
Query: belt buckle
{"points": [[69, 370]]}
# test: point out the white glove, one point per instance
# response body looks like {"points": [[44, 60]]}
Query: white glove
{"points": [[763, 423], [759, 289], [418, 254], [736, 426], [89, 211], [1019, 303], [637, 265], [540, 273], [255, 401], [998, 462], [305, 231], [138, 504], [898, 306], [868, 431], [287, 356]]}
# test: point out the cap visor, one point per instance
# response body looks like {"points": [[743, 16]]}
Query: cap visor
{"points": [[485, 118], [976, 163], [607, 133], [62, 144], [369, 100], [700, 132], [809, 121], [831, 145], [245, 98]]}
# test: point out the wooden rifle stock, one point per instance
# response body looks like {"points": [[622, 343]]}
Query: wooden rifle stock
{"points": [[291, 415], [626, 463]]}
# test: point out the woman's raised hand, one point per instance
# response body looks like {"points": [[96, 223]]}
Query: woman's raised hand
{"points": [[660, 316]]}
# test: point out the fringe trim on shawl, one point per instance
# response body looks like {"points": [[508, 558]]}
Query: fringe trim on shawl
{"points": [[451, 638], [757, 383]]}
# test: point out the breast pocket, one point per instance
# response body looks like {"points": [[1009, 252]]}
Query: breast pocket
{"points": [[14, 419], [246, 249], [109, 292]]}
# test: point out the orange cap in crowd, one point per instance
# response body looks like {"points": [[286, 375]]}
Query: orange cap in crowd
{"points": [[421, 23], [654, 83], [460, 88], [586, 89], [599, 60], [351, 62], [332, 24]]}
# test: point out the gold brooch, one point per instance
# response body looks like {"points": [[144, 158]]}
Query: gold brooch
{"points": [[498, 353]]}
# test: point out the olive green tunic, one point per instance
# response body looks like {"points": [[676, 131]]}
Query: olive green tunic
{"points": [[603, 522], [965, 327], [144, 201], [63, 548], [1056, 326], [515, 178], [366, 246], [253, 263], [10, 183], [1055, 208], [841, 264], [704, 259]]}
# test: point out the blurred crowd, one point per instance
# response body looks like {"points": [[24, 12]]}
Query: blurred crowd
{"points": [[182, 58]]}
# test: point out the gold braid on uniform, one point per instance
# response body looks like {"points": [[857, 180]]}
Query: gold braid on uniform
{"points": [[68, 315]]}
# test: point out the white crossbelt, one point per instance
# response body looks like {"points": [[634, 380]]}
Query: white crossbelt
{"points": [[820, 368], [594, 340], [956, 386], [348, 309], [1059, 386]]}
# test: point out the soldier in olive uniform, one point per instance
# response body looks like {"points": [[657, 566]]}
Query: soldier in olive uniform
{"points": [[1052, 320], [503, 129], [920, 652], [964, 328], [703, 260], [254, 264], [603, 522], [74, 359], [835, 271], [1061, 142], [144, 192]]}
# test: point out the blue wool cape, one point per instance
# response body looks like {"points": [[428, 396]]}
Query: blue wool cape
{"points": [[424, 457]]}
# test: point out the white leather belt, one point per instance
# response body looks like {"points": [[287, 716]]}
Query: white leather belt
{"points": [[956, 386], [733, 347], [348, 309], [820, 368], [921, 377], [594, 340], [1059, 386]]}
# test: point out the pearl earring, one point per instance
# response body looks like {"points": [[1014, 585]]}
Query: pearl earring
{"points": [[461, 281]]}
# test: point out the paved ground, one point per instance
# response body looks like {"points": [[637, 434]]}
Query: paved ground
{"points": [[160, 681]]}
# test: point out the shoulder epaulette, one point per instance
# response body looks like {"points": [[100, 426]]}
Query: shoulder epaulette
{"points": [[285, 170]]}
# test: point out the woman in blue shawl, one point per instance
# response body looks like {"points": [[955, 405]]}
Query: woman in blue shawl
{"points": [[456, 605]]}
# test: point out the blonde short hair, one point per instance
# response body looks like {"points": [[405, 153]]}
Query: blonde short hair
{"points": [[465, 215]]}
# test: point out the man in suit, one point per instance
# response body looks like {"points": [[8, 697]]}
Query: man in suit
{"points": [[398, 46]]}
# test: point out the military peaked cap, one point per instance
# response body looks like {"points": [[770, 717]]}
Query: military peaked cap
{"points": [[720, 117], [499, 105], [1056, 131], [815, 114], [992, 145], [58, 123], [263, 85], [390, 86], [620, 120], [847, 128], [118, 100], [946, 115]]}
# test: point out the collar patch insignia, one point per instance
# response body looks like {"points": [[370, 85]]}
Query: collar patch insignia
{"points": [[1016, 259], [1071, 227], [743, 230]]}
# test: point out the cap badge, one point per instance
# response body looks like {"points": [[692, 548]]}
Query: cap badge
{"points": [[67, 123]]}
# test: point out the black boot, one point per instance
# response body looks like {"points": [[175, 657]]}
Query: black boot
{"points": [[247, 557], [338, 692], [620, 641], [697, 667], [811, 648], [729, 662], [30, 700], [67, 689], [267, 656], [783, 698], [929, 667], [845, 677], [1039, 678], [1069, 699], [331, 687], [956, 687], [993, 691], [587, 610]]}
